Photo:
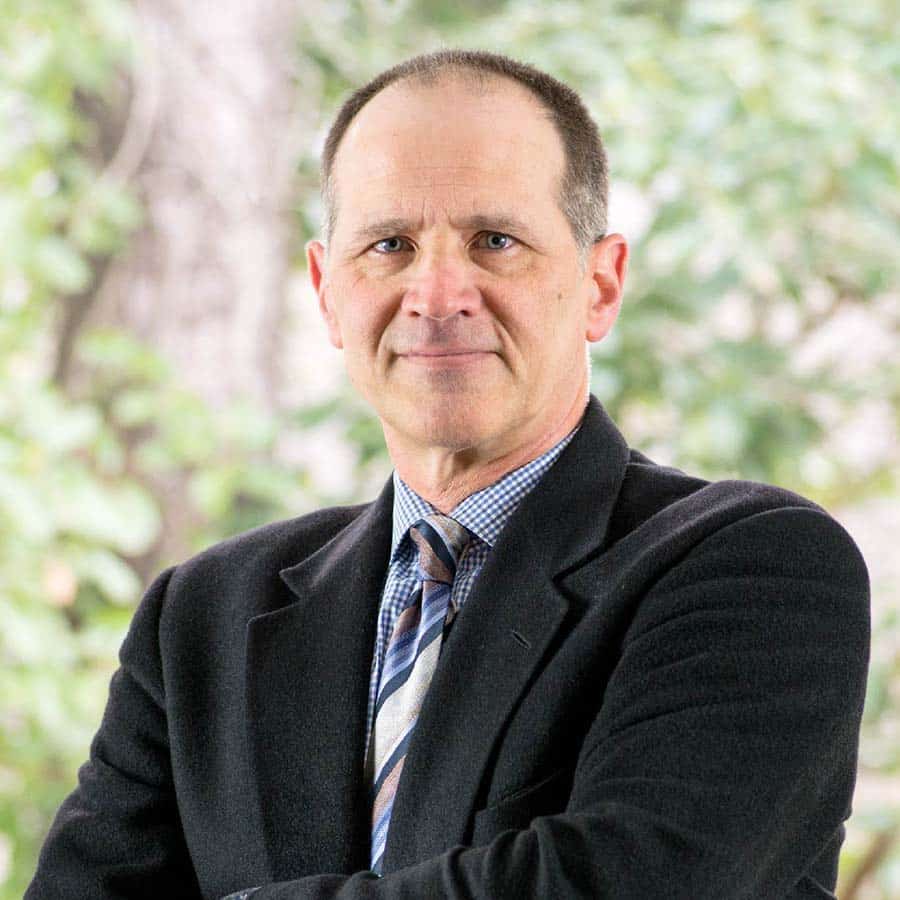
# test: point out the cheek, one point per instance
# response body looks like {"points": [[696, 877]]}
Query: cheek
{"points": [[364, 314], [548, 335], [545, 321]]}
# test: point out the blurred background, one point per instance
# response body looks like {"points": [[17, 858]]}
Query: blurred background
{"points": [[165, 380]]}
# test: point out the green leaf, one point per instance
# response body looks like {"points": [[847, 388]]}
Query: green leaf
{"points": [[115, 579], [61, 265]]}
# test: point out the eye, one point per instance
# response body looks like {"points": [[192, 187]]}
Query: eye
{"points": [[497, 240], [388, 245]]}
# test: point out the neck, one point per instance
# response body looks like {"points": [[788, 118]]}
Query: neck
{"points": [[445, 477]]}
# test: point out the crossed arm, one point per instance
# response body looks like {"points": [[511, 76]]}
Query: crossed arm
{"points": [[721, 762]]}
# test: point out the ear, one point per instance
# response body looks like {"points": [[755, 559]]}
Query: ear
{"points": [[606, 267], [315, 258]]}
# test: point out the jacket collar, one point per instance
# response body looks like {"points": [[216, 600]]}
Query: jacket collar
{"points": [[484, 512]]}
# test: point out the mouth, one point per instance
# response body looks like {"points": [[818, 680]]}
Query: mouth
{"points": [[460, 358]]}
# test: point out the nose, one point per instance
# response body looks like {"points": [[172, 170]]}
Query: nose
{"points": [[442, 284]]}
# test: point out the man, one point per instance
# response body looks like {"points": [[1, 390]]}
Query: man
{"points": [[538, 664]]}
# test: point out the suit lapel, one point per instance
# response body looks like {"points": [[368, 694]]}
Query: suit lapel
{"points": [[499, 639], [309, 667], [307, 693]]}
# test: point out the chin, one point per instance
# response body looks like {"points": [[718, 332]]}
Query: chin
{"points": [[440, 421], [455, 429]]}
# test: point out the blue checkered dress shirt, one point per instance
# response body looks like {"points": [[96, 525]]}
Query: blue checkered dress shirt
{"points": [[484, 513]]}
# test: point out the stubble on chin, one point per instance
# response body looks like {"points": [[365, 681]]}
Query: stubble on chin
{"points": [[452, 419]]}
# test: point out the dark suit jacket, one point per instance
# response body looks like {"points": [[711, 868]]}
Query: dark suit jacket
{"points": [[653, 691]]}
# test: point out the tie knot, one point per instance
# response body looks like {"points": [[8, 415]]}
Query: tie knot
{"points": [[441, 541]]}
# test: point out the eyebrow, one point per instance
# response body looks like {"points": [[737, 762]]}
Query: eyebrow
{"points": [[502, 222]]}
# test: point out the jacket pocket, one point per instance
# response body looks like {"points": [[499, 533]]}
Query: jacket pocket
{"points": [[544, 797]]}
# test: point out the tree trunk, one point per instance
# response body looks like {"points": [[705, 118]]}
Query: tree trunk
{"points": [[204, 281], [213, 136]]}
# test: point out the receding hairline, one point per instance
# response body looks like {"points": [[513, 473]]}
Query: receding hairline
{"points": [[484, 83], [464, 74]]}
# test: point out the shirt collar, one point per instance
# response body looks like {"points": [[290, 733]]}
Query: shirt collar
{"points": [[485, 512]]}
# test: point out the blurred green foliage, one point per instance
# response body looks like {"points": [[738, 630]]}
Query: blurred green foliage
{"points": [[760, 139]]}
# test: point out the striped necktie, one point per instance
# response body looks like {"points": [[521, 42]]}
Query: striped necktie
{"points": [[409, 663]]}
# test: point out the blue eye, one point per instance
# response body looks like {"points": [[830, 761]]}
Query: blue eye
{"points": [[492, 237], [396, 243]]}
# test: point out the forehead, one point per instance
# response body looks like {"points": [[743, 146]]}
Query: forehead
{"points": [[453, 146]]}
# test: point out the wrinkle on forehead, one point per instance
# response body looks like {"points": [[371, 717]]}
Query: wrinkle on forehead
{"points": [[452, 176], [421, 147], [466, 189]]}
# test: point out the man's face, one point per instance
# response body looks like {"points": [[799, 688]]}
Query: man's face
{"points": [[452, 280]]}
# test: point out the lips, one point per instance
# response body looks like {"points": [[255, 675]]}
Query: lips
{"points": [[446, 359], [445, 351], [443, 355]]}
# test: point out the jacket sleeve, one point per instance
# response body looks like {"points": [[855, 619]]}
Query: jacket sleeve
{"points": [[722, 759], [118, 834]]}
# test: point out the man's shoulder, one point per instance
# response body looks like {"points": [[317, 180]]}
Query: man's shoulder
{"points": [[660, 499], [688, 546], [649, 489]]}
